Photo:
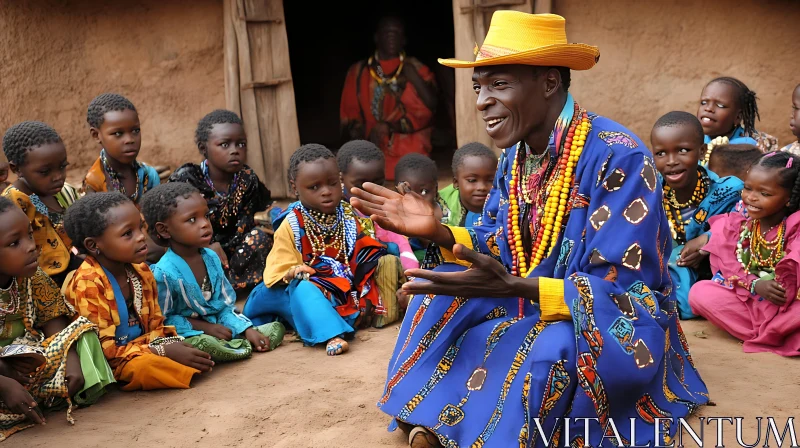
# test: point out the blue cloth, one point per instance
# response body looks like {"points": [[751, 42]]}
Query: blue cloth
{"points": [[472, 219], [179, 295], [737, 138], [723, 194], [151, 174], [124, 333], [303, 306], [472, 372]]}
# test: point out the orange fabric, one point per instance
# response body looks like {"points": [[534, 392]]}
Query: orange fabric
{"points": [[53, 246], [95, 178], [91, 294], [400, 109], [148, 372]]}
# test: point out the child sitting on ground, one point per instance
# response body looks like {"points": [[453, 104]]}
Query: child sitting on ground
{"points": [[320, 273], [733, 160], [39, 159], [692, 195], [46, 358], [729, 109], [114, 126], [360, 161], [474, 169], [194, 295], [115, 289], [756, 262], [794, 124], [418, 173], [234, 194]]}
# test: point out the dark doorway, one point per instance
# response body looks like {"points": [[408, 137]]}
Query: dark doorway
{"points": [[326, 38]]}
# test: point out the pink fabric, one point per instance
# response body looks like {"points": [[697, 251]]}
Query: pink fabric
{"points": [[763, 326], [407, 257]]}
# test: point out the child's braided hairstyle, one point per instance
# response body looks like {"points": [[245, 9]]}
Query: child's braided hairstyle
{"points": [[789, 174], [746, 101], [161, 202], [307, 153], [104, 103], [22, 137], [86, 218]]}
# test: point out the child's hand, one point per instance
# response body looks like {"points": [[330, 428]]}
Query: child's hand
{"points": [[402, 299], [259, 342], [772, 291], [692, 255], [74, 377], [298, 271], [219, 331], [17, 399], [185, 354], [17, 370]]}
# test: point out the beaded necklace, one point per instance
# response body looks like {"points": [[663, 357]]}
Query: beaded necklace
{"points": [[554, 194], [326, 231], [719, 141], [673, 208], [136, 286], [228, 202], [376, 71], [13, 303], [114, 177], [758, 245]]}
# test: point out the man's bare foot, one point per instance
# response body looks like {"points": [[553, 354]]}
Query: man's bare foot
{"points": [[337, 346]]}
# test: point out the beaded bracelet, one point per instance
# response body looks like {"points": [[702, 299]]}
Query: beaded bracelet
{"points": [[159, 349], [753, 286]]}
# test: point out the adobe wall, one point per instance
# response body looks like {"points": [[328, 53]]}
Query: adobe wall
{"points": [[656, 56], [165, 57]]}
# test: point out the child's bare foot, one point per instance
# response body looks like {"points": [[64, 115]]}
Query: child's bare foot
{"points": [[337, 346]]}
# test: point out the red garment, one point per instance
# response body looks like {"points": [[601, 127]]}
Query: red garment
{"points": [[401, 107], [727, 302]]}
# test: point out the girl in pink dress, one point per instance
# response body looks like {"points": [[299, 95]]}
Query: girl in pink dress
{"points": [[756, 261]]}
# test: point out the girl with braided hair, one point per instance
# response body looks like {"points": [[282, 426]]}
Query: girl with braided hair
{"points": [[728, 108], [756, 261], [38, 157]]}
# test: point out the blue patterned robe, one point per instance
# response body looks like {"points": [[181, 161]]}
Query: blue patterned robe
{"points": [[723, 194], [179, 295], [476, 375]]}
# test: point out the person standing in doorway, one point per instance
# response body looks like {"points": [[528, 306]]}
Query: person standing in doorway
{"points": [[389, 98]]}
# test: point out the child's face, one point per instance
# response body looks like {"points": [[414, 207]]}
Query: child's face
{"points": [[719, 109], [123, 240], [318, 185], [794, 122], [3, 171], [474, 179], [188, 224], [45, 169], [420, 184], [676, 150], [762, 194], [359, 172], [18, 254], [226, 148], [120, 135]]}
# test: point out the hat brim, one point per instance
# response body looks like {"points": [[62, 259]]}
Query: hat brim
{"points": [[572, 56]]}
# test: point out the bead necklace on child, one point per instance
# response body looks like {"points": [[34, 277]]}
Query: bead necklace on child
{"points": [[677, 224]]}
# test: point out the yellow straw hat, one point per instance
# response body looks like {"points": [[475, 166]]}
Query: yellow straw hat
{"points": [[529, 39]]}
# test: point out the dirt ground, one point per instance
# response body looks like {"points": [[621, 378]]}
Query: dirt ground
{"points": [[299, 397]]}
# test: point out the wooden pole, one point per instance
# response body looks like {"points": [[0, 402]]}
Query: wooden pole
{"points": [[232, 101]]}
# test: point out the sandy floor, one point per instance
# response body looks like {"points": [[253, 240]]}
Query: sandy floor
{"points": [[299, 397]]}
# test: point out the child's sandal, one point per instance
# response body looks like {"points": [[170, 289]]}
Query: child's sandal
{"points": [[336, 346], [420, 437]]}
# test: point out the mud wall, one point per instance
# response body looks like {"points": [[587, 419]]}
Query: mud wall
{"points": [[165, 56], [656, 56]]}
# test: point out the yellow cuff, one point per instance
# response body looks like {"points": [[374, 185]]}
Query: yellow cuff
{"points": [[551, 300], [461, 236]]}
